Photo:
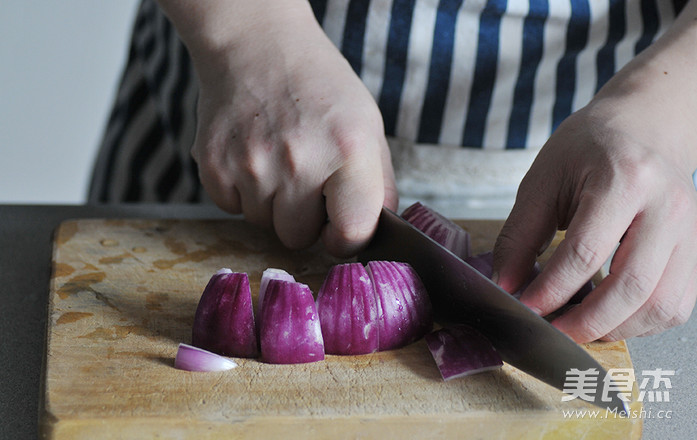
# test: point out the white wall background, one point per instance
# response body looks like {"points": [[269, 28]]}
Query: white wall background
{"points": [[60, 62]]}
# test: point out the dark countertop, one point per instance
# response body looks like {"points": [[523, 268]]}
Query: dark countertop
{"points": [[25, 254]]}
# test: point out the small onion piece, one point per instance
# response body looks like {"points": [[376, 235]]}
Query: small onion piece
{"points": [[404, 310], [347, 311], [224, 319], [192, 358], [290, 330], [268, 275], [439, 228], [461, 351]]}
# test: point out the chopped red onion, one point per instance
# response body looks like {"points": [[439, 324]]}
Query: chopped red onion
{"points": [[348, 311], [461, 351], [404, 309], [439, 228], [224, 320], [290, 331], [192, 358], [268, 275]]}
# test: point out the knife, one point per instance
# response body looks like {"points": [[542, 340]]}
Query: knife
{"points": [[460, 294]]}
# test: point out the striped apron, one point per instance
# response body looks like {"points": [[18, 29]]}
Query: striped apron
{"points": [[469, 90]]}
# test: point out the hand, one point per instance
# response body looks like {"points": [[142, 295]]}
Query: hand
{"points": [[289, 136], [616, 174]]}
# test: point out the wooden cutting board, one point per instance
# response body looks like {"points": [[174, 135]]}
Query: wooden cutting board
{"points": [[123, 296]]}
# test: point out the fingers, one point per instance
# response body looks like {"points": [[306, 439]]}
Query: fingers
{"points": [[685, 309], [525, 234], [354, 197], [298, 216], [670, 305], [598, 225], [637, 267]]}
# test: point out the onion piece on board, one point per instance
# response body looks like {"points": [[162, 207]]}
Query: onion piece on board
{"points": [[192, 358], [348, 311], [290, 331], [442, 230], [268, 275], [404, 310], [224, 319], [461, 351]]}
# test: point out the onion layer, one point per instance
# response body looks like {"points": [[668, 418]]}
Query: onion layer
{"points": [[348, 311], [439, 228], [290, 330], [461, 351], [191, 358], [404, 309], [224, 320]]}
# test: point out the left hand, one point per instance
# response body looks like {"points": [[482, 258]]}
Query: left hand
{"points": [[619, 171]]}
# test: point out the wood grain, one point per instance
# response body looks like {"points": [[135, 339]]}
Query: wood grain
{"points": [[123, 295]]}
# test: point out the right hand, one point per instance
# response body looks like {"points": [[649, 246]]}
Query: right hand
{"points": [[289, 136]]}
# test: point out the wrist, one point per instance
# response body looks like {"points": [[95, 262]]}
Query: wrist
{"points": [[215, 28]]}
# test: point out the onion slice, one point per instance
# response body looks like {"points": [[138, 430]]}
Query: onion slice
{"points": [[404, 310], [290, 331], [347, 311], [461, 351], [224, 319], [439, 228], [192, 358]]}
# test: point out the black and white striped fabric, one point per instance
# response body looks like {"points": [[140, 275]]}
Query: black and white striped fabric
{"points": [[483, 74]]}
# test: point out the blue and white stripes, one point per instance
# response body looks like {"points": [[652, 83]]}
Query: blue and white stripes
{"points": [[490, 74]]}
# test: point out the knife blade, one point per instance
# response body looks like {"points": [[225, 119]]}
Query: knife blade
{"points": [[460, 294]]}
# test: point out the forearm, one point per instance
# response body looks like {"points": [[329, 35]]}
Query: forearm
{"points": [[214, 27], [663, 80]]}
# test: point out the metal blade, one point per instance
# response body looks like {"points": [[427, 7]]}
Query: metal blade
{"points": [[460, 294]]}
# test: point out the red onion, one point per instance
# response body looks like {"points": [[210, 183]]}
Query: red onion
{"points": [[268, 275], [404, 309], [439, 228], [461, 351], [348, 311], [290, 330], [224, 320], [191, 358]]}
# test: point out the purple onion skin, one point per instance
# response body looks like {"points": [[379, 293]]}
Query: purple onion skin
{"points": [[290, 331], [268, 275], [441, 229], [405, 313], [224, 319], [348, 311], [461, 351]]}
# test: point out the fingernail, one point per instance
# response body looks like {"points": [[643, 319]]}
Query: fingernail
{"points": [[495, 278]]}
